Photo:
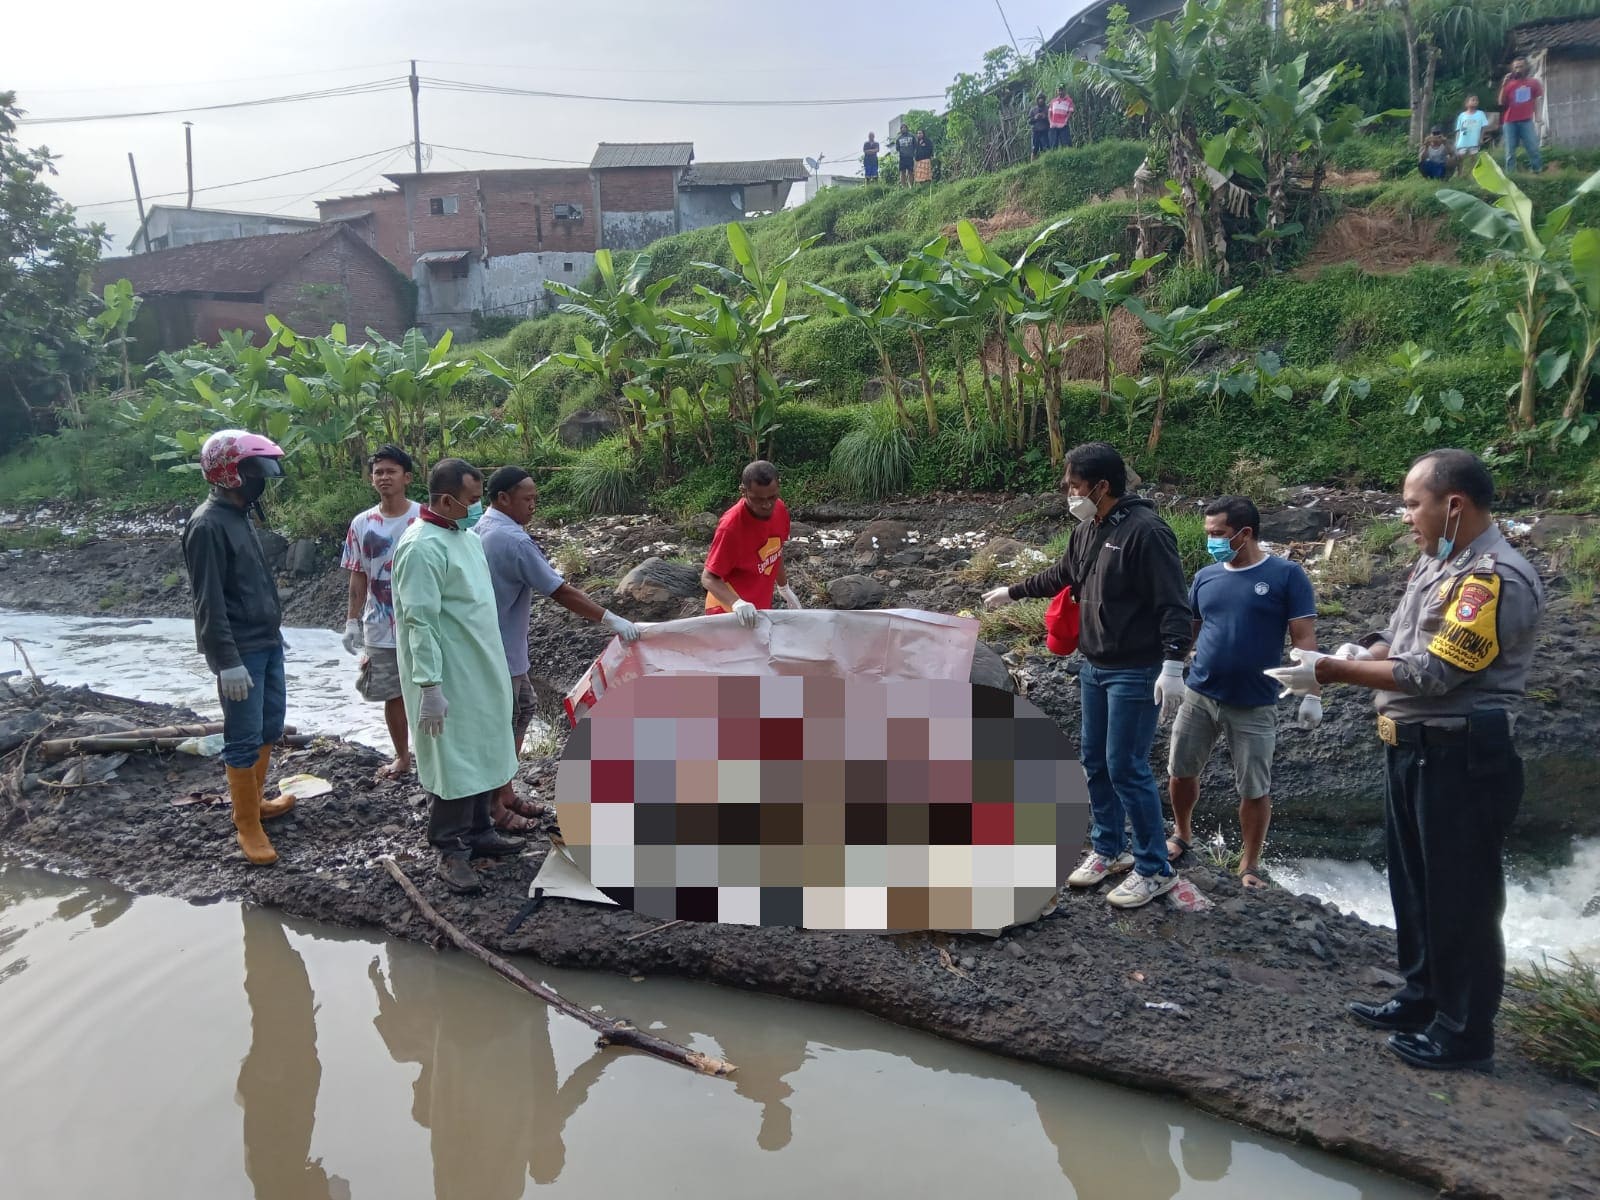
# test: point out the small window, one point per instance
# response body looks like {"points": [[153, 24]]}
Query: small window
{"points": [[160, 243], [460, 269], [443, 206], [569, 212], [567, 267]]}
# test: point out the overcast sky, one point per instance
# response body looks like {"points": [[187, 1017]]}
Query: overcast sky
{"points": [[168, 53]]}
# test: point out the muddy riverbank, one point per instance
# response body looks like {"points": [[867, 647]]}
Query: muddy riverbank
{"points": [[1259, 981], [940, 554]]}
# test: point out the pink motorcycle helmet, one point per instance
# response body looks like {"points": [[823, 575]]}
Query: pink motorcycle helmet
{"points": [[227, 450]]}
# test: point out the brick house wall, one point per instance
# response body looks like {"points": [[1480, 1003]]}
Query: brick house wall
{"points": [[189, 319], [461, 230], [520, 210], [384, 230], [340, 282], [638, 205]]}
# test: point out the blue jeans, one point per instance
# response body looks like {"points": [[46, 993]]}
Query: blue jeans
{"points": [[1119, 725], [257, 720], [1525, 133]]}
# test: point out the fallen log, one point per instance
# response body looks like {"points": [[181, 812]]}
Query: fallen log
{"points": [[165, 737], [612, 1033]]}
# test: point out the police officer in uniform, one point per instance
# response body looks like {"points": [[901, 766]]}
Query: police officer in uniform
{"points": [[1447, 673]]}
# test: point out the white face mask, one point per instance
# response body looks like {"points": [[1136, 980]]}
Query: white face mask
{"points": [[1082, 508]]}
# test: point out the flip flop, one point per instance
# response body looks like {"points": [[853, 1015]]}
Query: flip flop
{"points": [[1259, 874], [514, 822], [1183, 848]]}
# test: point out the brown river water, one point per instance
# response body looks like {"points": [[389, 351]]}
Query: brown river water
{"points": [[152, 1050]]}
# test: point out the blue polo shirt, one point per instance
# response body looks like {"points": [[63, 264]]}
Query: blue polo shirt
{"points": [[1244, 615]]}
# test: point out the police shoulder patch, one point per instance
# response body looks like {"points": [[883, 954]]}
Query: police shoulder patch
{"points": [[1469, 638]]}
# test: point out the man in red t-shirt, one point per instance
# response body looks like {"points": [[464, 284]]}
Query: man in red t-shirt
{"points": [[1519, 97], [746, 558], [1060, 114]]}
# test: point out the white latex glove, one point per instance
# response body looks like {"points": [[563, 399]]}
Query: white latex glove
{"points": [[234, 683], [789, 598], [1300, 679], [1169, 688], [353, 636], [746, 612], [621, 626], [997, 598], [1353, 652], [431, 711], [1310, 713]]}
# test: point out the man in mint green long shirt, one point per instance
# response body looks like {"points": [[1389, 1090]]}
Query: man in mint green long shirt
{"points": [[452, 673]]}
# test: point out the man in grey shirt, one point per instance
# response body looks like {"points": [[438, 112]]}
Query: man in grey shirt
{"points": [[1447, 673], [518, 569]]}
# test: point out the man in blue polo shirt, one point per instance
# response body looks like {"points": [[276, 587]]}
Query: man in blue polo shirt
{"points": [[1243, 605]]}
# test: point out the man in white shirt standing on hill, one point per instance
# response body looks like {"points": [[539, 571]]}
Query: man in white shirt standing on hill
{"points": [[369, 624]]}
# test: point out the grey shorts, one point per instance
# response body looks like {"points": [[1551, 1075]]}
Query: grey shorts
{"points": [[524, 703], [378, 675], [1252, 733]]}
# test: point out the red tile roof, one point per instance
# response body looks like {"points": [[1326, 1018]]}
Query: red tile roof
{"points": [[238, 266]]}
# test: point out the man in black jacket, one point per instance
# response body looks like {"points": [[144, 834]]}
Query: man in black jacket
{"points": [[237, 623], [1123, 568]]}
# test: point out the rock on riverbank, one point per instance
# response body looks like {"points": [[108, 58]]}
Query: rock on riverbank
{"points": [[1238, 1010]]}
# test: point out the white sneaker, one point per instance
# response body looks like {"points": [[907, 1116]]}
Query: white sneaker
{"points": [[1096, 866], [1138, 890]]}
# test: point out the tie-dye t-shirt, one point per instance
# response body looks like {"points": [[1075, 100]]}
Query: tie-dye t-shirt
{"points": [[369, 548]]}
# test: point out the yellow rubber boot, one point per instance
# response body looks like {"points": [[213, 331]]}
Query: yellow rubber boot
{"points": [[269, 808], [246, 797]]}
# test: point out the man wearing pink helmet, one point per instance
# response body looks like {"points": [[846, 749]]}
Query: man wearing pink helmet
{"points": [[237, 623]]}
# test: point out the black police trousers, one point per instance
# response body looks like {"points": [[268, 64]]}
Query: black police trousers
{"points": [[1450, 796], [453, 823]]}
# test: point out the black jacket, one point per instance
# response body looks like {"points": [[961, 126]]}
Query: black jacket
{"points": [[1128, 580], [236, 608]]}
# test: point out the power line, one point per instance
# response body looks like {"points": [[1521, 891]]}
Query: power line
{"points": [[461, 85], [574, 162], [23, 89], [216, 187], [366, 171], [355, 89]]}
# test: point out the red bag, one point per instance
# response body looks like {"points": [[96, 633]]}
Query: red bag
{"points": [[1061, 623]]}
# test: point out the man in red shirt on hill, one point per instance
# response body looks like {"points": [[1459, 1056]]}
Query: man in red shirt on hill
{"points": [[1060, 114], [746, 558], [1519, 97]]}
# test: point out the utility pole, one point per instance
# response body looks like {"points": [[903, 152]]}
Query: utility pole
{"points": [[138, 199], [416, 118], [188, 159]]}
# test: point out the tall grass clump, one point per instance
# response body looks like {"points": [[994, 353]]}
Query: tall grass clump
{"points": [[604, 479], [874, 459], [1191, 530], [1556, 1015]]}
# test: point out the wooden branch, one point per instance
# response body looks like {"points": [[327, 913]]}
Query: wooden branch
{"points": [[612, 1033], [166, 737]]}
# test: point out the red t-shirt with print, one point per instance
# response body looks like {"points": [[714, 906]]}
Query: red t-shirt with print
{"points": [[1518, 98], [745, 553]]}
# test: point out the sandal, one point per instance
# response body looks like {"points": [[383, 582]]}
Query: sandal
{"points": [[509, 821], [1183, 848], [1259, 874], [522, 806]]}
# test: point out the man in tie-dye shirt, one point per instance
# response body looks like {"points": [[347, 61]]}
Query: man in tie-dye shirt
{"points": [[369, 625]]}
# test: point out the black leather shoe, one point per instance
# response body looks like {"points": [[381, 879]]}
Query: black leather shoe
{"points": [[1440, 1052], [494, 844], [455, 869], [1397, 1016]]}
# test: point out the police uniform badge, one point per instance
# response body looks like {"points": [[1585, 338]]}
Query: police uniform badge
{"points": [[1468, 637]]}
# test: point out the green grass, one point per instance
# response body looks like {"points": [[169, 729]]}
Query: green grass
{"points": [[35, 537], [1555, 1014], [874, 459], [1021, 624], [1381, 536]]}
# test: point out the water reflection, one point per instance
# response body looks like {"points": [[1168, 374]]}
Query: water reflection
{"points": [[280, 1076]]}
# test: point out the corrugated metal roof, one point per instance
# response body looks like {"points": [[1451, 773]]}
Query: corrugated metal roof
{"points": [[359, 215], [736, 174], [443, 256], [1579, 33], [241, 266], [642, 154]]}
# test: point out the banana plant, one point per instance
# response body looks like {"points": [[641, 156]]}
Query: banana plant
{"points": [[1534, 250], [1173, 340], [878, 321], [1108, 293], [1582, 284], [109, 326]]}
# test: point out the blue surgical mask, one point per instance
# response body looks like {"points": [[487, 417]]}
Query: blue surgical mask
{"points": [[474, 511], [1447, 543], [1221, 549]]}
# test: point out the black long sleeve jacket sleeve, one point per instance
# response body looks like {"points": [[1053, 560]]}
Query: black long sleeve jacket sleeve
{"points": [[236, 607], [1127, 577]]}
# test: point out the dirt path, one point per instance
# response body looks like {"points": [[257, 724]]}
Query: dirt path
{"points": [[1261, 979]]}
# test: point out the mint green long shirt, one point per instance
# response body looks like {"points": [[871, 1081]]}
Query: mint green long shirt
{"points": [[447, 633]]}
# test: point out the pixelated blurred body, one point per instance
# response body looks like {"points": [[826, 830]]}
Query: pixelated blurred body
{"points": [[824, 802]]}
